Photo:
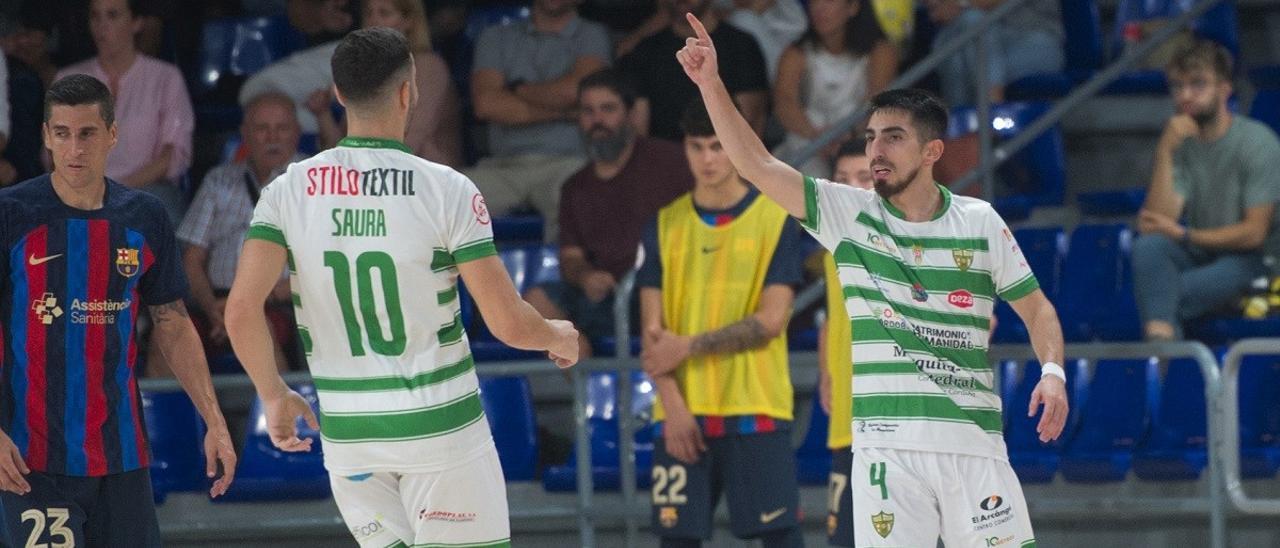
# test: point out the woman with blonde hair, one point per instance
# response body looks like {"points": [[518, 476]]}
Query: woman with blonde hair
{"points": [[435, 122]]}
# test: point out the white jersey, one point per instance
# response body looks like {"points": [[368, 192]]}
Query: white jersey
{"points": [[374, 235], [920, 298]]}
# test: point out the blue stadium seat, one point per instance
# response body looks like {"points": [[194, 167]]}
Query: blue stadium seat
{"points": [[1036, 175], [509, 408], [1218, 24], [483, 344], [1260, 416], [266, 473], [1176, 448], [813, 457], [237, 47], [1032, 461], [1096, 299], [1225, 330], [1266, 108], [1083, 48], [602, 427], [1112, 202], [176, 436], [1044, 249], [1113, 419], [544, 265], [518, 229]]}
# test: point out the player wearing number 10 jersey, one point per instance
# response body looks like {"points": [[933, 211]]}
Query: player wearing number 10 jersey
{"points": [[375, 239]]}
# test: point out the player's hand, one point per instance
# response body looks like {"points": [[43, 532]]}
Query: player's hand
{"points": [[282, 421], [12, 467], [1052, 393], [698, 56], [683, 437], [664, 351], [1178, 129], [218, 449], [597, 285], [564, 349], [217, 321], [1150, 222]]}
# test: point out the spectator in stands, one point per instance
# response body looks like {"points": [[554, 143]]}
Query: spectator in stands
{"points": [[153, 149], [1216, 170], [664, 90], [28, 42], [320, 21], [435, 121], [213, 230], [825, 76], [1026, 41], [852, 167], [524, 86], [716, 290], [300, 76], [775, 24], [604, 206]]}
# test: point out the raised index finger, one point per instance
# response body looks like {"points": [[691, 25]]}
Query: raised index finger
{"points": [[698, 29]]}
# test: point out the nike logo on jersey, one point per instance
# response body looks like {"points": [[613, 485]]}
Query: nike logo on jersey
{"points": [[708, 249], [766, 518], [33, 261]]}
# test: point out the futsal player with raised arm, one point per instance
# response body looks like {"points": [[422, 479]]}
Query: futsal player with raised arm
{"points": [[375, 239], [921, 269]]}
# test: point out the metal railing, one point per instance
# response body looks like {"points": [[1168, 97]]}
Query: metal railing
{"points": [[1225, 419]]}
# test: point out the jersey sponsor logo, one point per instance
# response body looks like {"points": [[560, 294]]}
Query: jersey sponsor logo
{"points": [[883, 524], [46, 308], [960, 298], [918, 292], [33, 261], [480, 209], [991, 503], [994, 513], [998, 541], [367, 530], [890, 319], [882, 243], [769, 517], [99, 312], [963, 258], [917, 252], [944, 338], [877, 427], [358, 222], [345, 181], [668, 517], [445, 515], [127, 262], [1008, 236]]}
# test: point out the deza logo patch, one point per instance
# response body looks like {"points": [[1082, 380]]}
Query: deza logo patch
{"points": [[960, 298]]}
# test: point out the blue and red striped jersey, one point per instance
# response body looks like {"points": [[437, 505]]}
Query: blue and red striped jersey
{"points": [[74, 282]]}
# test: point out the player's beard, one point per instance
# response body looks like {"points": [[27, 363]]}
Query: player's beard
{"points": [[888, 189], [607, 146]]}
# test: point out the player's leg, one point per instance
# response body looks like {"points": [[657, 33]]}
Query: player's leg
{"points": [[52, 513], [892, 506], [982, 503], [124, 512], [761, 488], [840, 499], [371, 509], [683, 496], [463, 506]]}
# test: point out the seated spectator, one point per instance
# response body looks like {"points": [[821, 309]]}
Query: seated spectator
{"points": [[825, 76], [153, 112], [664, 89], [1214, 169], [604, 206], [775, 24], [435, 121], [213, 230], [300, 76], [852, 166], [524, 85], [1026, 41]]}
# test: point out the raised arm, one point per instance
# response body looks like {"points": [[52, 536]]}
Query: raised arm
{"points": [[777, 180]]}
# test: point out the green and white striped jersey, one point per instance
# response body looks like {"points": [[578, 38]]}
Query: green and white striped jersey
{"points": [[919, 297], [374, 235]]}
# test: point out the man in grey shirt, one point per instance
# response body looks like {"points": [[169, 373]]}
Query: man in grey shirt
{"points": [[524, 85], [1216, 170]]}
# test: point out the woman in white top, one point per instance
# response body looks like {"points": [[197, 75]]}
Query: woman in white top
{"points": [[843, 59]]}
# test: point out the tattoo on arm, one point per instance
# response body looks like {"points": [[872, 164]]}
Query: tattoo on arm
{"points": [[174, 311], [743, 335]]}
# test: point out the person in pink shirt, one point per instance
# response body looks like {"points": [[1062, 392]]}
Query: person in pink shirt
{"points": [[153, 109]]}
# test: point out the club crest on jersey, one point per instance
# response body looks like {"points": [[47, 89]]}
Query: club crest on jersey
{"points": [[127, 262], [668, 517], [963, 258], [883, 524]]}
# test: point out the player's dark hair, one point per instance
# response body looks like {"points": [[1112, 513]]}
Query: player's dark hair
{"points": [[1202, 54], [856, 146], [928, 113], [696, 121], [367, 61], [612, 80], [80, 89]]}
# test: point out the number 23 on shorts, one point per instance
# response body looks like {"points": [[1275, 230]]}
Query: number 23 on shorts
{"points": [[877, 479]]}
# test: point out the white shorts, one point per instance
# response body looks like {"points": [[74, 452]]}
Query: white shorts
{"points": [[910, 498], [465, 505]]}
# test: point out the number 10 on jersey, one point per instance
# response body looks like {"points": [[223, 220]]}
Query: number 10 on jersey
{"points": [[366, 263]]}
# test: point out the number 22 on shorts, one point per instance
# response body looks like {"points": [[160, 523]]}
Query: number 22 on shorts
{"points": [[877, 479]]}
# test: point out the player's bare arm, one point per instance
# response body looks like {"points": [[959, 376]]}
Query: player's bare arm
{"points": [[667, 350], [1046, 338], [514, 321], [182, 349], [680, 430], [256, 274], [777, 180]]}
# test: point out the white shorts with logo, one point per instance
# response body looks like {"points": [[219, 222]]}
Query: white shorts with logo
{"points": [[910, 498], [465, 505]]}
